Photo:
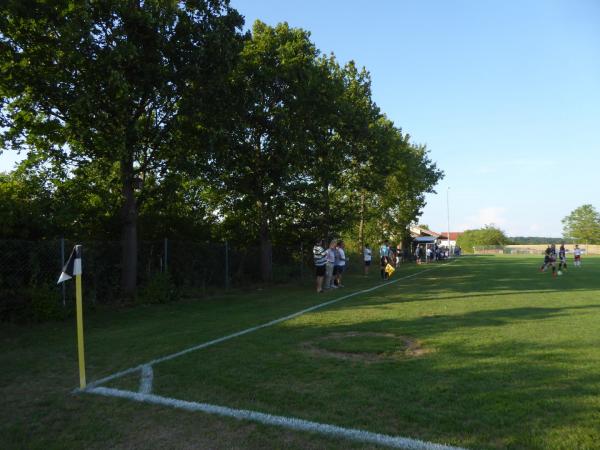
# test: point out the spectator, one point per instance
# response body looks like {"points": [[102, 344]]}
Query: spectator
{"points": [[329, 266], [383, 263], [418, 254], [399, 255], [320, 258], [340, 263], [391, 254], [383, 250], [367, 255]]}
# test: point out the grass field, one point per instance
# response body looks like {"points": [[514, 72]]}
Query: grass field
{"points": [[485, 352]]}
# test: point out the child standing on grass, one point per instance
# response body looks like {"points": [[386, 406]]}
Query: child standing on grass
{"points": [[384, 263]]}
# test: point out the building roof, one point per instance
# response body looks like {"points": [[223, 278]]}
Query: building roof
{"points": [[418, 231], [453, 235]]}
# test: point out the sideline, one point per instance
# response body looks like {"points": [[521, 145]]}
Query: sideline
{"points": [[142, 366]]}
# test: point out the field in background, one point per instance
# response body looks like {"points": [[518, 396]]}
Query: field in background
{"points": [[532, 249], [502, 356]]}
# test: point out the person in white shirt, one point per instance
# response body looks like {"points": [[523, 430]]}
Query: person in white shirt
{"points": [[367, 255], [577, 255], [340, 264], [329, 265]]}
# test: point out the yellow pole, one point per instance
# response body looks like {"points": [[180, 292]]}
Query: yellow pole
{"points": [[80, 331]]}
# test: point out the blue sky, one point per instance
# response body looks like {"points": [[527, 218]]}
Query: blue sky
{"points": [[506, 95]]}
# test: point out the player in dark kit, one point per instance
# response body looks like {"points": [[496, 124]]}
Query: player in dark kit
{"points": [[546, 259], [562, 258], [549, 259], [553, 259]]}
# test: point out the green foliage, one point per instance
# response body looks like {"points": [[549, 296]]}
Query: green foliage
{"points": [[253, 138], [582, 225], [159, 289], [45, 303], [534, 240], [488, 235], [115, 85]]}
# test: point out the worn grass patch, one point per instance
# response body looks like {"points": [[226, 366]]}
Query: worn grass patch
{"points": [[364, 346]]}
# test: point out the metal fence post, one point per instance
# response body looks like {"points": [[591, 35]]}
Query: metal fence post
{"points": [[166, 257], [226, 265], [62, 264]]}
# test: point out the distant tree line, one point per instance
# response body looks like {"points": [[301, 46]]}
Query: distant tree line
{"points": [[488, 235], [149, 119], [534, 240]]}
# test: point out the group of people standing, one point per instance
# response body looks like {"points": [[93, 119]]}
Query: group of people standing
{"points": [[388, 256], [550, 258], [330, 264]]}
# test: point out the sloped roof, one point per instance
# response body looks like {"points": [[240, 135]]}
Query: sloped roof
{"points": [[453, 235], [418, 231]]}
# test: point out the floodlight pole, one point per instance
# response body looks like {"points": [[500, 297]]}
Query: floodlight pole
{"points": [[448, 211]]}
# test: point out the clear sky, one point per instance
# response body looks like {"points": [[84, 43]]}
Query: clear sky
{"points": [[506, 95]]}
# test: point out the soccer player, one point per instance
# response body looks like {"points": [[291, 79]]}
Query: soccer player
{"points": [[549, 259], [562, 258], [577, 253], [553, 259], [546, 259]]}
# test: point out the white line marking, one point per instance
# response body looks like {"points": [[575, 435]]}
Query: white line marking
{"points": [[146, 379], [282, 421], [250, 330]]}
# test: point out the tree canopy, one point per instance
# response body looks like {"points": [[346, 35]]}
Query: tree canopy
{"points": [[582, 225], [151, 119], [488, 235]]}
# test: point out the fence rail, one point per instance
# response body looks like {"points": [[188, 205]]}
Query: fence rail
{"points": [[29, 271]]}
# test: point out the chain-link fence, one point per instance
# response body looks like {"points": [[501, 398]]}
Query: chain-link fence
{"points": [[167, 269]]}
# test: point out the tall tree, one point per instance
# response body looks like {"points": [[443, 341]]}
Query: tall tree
{"points": [[259, 172], [108, 81], [583, 225]]}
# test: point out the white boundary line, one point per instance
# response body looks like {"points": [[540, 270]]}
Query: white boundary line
{"points": [[146, 380], [147, 375], [249, 330], [268, 419]]}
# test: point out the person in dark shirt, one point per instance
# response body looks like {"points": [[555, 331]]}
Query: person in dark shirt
{"points": [[562, 258]]}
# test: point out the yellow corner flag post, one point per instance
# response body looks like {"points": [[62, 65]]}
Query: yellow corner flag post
{"points": [[80, 348], [73, 269]]}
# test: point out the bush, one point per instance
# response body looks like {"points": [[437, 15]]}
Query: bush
{"points": [[45, 303], [159, 289]]}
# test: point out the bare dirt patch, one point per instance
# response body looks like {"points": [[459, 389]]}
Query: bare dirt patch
{"points": [[402, 347]]}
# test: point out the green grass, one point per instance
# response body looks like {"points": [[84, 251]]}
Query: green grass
{"points": [[511, 360]]}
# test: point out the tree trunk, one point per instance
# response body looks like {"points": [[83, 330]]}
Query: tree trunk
{"points": [[361, 224], [266, 251], [129, 244]]}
